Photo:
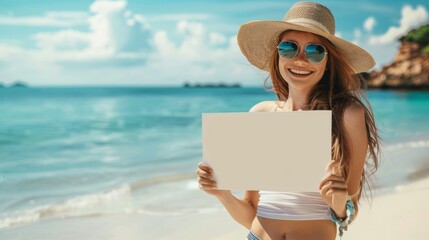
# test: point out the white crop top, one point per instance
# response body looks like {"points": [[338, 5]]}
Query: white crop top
{"points": [[293, 206]]}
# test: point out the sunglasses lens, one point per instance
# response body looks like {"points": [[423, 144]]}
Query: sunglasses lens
{"points": [[287, 50], [315, 52]]}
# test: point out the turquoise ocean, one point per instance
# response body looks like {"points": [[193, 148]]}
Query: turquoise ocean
{"points": [[71, 152]]}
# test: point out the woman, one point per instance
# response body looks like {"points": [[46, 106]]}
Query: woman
{"points": [[310, 69]]}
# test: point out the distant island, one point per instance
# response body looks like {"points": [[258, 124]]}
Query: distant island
{"points": [[17, 84], [410, 68], [211, 85]]}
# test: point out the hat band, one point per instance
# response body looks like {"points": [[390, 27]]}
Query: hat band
{"points": [[309, 23]]}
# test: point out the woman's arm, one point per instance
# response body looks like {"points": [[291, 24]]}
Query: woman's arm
{"points": [[354, 123], [334, 188], [242, 211]]}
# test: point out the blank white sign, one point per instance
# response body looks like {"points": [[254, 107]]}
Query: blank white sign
{"points": [[271, 151]]}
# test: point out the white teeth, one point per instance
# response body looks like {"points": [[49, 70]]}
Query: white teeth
{"points": [[299, 71]]}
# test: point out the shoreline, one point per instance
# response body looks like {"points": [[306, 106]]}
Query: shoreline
{"points": [[401, 213]]}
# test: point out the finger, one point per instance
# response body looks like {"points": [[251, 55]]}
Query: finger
{"points": [[205, 167], [204, 174], [334, 182], [334, 185], [335, 191], [204, 186], [206, 181], [331, 177], [323, 191], [328, 186]]}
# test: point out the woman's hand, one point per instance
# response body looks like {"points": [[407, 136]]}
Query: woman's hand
{"points": [[206, 181], [333, 189]]}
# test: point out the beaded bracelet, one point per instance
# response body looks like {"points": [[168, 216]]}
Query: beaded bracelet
{"points": [[343, 223]]}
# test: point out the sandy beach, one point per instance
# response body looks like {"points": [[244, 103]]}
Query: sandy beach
{"points": [[402, 214]]}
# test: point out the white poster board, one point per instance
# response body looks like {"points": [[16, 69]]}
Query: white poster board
{"points": [[271, 151]]}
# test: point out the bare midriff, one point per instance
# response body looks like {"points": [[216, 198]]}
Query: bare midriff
{"points": [[273, 229]]}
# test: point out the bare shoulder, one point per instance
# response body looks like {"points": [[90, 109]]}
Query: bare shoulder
{"points": [[354, 116], [265, 106], [354, 122]]}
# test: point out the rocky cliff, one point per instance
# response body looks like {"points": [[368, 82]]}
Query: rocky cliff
{"points": [[410, 67]]}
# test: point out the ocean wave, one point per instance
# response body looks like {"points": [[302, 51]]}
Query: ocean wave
{"points": [[409, 144], [71, 206], [62, 209]]}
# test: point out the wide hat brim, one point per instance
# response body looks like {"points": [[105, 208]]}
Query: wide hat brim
{"points": [[258, 39]]}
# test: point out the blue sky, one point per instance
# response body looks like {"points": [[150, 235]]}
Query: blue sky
{"points": [[135, 42]]}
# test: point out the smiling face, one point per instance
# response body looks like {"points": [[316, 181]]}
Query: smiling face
{"points": [[299, 72]]}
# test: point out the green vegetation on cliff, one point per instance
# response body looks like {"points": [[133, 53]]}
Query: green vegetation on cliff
{"points": [[419, 35]]}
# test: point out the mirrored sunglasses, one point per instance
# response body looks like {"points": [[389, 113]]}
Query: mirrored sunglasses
{"points": [[313, 52]]}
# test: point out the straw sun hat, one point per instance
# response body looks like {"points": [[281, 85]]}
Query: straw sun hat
{"points": [[258, 39]]}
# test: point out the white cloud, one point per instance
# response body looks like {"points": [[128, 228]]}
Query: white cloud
{"points": [[217, 39], [52, 19], [121, 48], [201, 52], [369, 24], [193, 45], [162, 43], [7, 50], [190, 28], [63, 40], [409, 18], [114, 29], [383, 47], [116, 35]]}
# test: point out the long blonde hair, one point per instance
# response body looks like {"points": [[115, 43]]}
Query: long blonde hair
{"points": [[338, 88]]}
